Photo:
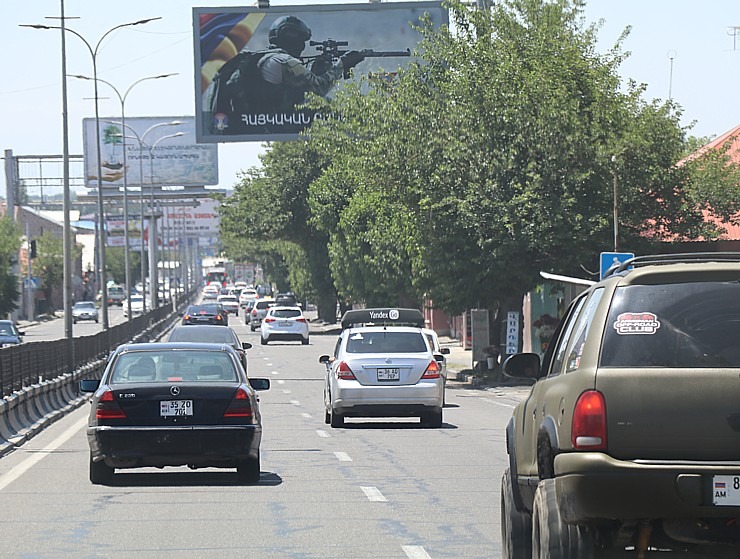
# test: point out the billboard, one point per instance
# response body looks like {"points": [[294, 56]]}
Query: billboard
{"points": [[253, 66], [159, 150], [175, 224], [116, 231]]}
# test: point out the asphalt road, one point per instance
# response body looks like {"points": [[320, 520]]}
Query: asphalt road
{"points": [[375, 489]]}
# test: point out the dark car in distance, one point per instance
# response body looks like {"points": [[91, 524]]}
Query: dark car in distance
{"points": [[211, 334], [205, 314], [287, 299], [9, 334], [174, 404]]}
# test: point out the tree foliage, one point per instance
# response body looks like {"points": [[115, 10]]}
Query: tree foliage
{"points": [[268, 219], [491, 158], [10, 243], [49, 264]]}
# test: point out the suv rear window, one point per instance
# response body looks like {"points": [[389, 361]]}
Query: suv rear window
{"points": [[286, 313], [674, 325], [386, 342]]}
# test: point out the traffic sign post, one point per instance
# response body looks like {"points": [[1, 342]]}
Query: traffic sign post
{"points": [[610, 259]]}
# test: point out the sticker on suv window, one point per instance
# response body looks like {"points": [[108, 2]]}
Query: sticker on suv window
{"points": [[637, 323]]}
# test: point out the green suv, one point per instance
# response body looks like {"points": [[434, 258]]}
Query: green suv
{"points": [[629, 441]]}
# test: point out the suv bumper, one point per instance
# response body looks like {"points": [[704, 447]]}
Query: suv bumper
{"points": [[592, 485]]}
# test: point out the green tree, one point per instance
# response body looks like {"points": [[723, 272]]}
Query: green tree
{"points": [[269, 211], [115, 261], [49, 263], [10, 242], [493, 158]]}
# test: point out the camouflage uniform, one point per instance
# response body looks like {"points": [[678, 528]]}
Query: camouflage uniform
{"points": [[285, 80]]}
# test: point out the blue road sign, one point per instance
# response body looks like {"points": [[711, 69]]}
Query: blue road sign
{"points": [[609, 259]]}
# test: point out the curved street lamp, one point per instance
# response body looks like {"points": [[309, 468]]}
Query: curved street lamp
{"points": [[122, 99], [101, 215], [142, 143], [154, 285]]}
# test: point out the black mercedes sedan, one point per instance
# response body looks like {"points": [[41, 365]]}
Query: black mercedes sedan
{"points": [[174, 404]]}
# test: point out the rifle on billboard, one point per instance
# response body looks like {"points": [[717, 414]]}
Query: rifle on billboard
{"points": [[330, 51]]}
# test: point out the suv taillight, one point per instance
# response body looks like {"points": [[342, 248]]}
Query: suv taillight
{"points": [[432, 370], [588, 431], [268, 319], [240, 406], [108, 408], [344, 372], [254, 311]]}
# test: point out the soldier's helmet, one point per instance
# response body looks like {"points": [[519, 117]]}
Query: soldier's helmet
{"points": [[288, 30]]}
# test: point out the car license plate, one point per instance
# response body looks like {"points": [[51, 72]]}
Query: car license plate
{"points": [[285, 323], [388, 374], [175, 408], [726, 490]]}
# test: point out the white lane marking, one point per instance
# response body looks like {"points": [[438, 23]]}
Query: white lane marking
{"points": [[510, 406], [343, 457], [266, 358], [322, 433], [415, 552], [295, 402], [306, 415], [29, 462], [281, 381], [268, 364], [374, 494], [274, 372], [286, 391]]}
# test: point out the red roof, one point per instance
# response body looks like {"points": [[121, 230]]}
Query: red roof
{"points": [[732, 136]]}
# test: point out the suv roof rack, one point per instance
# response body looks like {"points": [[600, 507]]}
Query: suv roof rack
{"points": [[676, 258], [383, 317]]}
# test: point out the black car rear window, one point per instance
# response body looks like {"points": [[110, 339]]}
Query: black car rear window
{"points": [[173, 366], [202, 309], [674, 325], [386, 342], [214, 335]]}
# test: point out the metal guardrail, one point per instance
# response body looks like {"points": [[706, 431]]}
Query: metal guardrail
{"points": [[30, 363]]}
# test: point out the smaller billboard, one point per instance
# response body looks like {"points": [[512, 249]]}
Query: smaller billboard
{"points": [[186, 220], [159, 151], [116, 231]]}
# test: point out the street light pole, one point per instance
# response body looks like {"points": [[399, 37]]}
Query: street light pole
{"points": [[153, 283], [67, 203], [101, 211], [140, 139], [122, 99]]}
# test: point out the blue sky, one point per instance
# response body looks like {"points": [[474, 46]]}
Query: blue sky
{"points": [[705, 82]]}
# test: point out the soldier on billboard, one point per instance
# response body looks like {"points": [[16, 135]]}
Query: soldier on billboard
{"points": [[271, 82]]}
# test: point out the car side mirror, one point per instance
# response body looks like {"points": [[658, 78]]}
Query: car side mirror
{"points": [[21, 333], [246, 345], [523, 365], [324, 359], [260, 383], [445, 351], [89, 385]]}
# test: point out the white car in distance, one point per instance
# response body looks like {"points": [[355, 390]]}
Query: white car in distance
{"points": [[229, 302], [284, 323]]}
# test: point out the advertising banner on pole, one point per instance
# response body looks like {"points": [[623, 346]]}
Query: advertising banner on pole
{"points": [[254, 67], [116, 232], [160, 151]]}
